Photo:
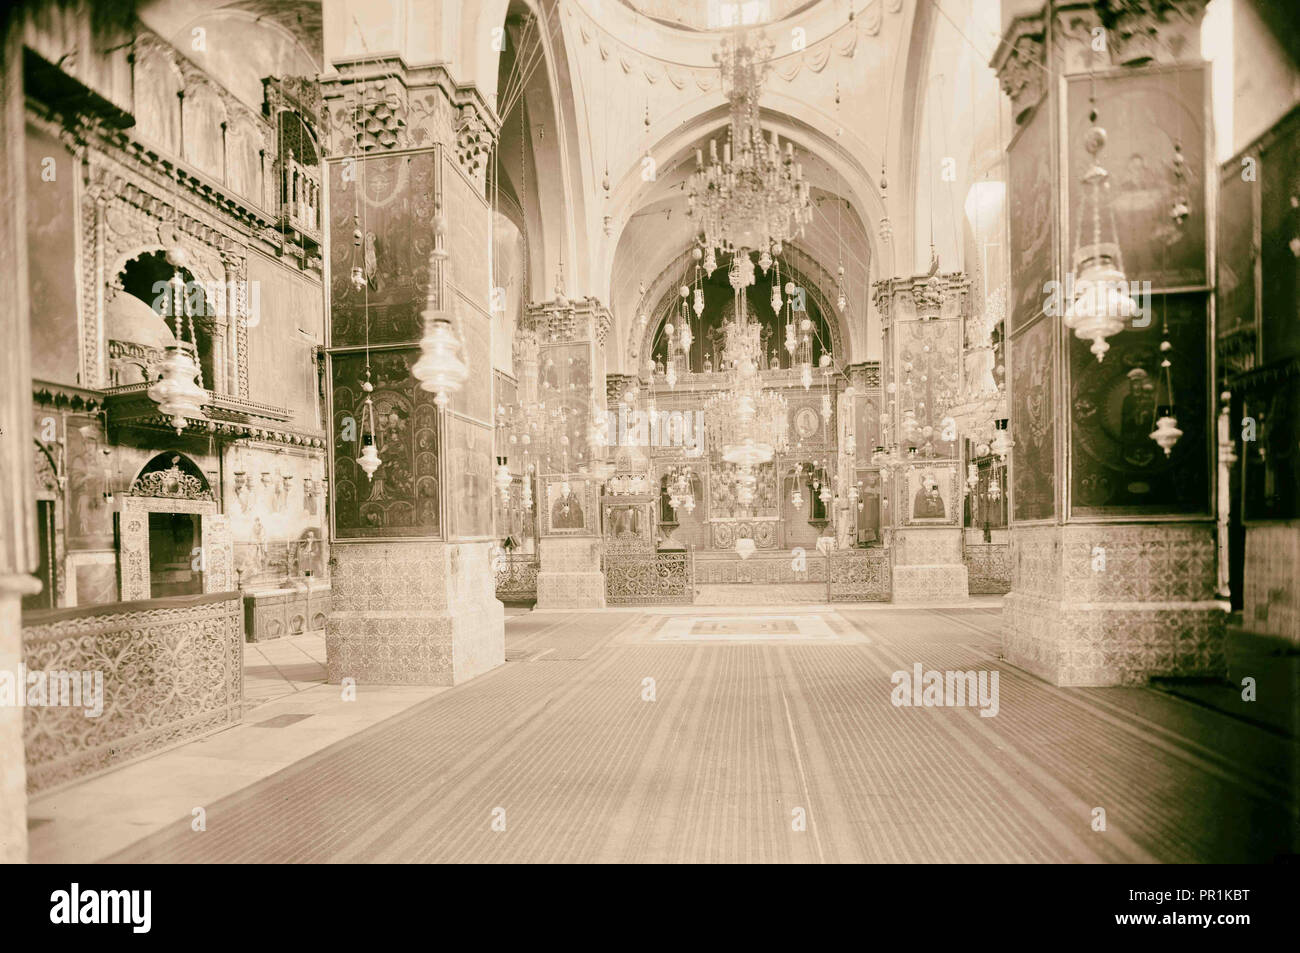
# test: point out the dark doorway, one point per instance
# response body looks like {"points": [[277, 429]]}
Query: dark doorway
{"points": [[175, 559]]}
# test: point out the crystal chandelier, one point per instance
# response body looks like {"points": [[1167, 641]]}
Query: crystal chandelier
{"points": [[177, 379], [981, 393], [754, 195], [441, 368], [1099, 301], [748, 423]]}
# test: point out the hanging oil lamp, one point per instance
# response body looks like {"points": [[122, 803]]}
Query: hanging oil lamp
{"points": [[369, 460], [1166, 434], [174, 388], [501, 478], [1100, 303], [442, 368]]}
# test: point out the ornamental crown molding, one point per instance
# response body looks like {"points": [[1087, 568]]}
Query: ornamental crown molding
{"points": [[1021, 64], [409, 107]]}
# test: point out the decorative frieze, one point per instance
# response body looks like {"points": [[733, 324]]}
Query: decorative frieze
{"points": [[1021, 64]]}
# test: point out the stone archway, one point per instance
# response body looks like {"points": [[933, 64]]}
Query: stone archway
{"points": [[173, 489]]}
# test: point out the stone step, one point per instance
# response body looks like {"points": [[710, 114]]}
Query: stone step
{"points": [[765, 594]]}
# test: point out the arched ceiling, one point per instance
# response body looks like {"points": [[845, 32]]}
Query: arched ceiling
{"points": [[706, 14]]}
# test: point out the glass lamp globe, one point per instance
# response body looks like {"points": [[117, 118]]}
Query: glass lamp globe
{"points": [[441, 368], [369, 460]]}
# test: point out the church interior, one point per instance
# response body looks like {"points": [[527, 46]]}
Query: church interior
{"points": [[453, 371]]}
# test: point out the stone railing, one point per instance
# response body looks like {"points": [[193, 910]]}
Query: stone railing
{"points": [[159, 671], [859, 575], [517, 577], [988, 567], [649, 579]]}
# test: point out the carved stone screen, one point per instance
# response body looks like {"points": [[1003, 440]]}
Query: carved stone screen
{"points": [[403, 496], [1145, 115], [390, 200], [1033, 460], [1116, 467], [1033, 210]]}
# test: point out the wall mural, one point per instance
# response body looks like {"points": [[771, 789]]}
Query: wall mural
{"points": [[403, 498], [1116, 466], [1030, 185], [390, 198], [1033, 465], [1145, 115], [90, 516]]}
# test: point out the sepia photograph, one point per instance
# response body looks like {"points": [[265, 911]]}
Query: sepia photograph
{"points": [[646, 432]]}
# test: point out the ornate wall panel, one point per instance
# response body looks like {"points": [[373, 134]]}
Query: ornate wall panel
{"points": [[390, 199], [403, 498], [52, 268], [1271, 463], [1145, 114], [1033, 456], [190, 646], [1279, 184], [469, 474], [1033, 206], [1116, 468]]}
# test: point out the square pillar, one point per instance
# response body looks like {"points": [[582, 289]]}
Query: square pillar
{"points": [[921, 317], [1112, 541], [413, 587], [571, 390]]}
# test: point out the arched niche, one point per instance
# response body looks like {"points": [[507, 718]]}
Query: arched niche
{"points": [[642, 341], [157, 84], [143, 278]]}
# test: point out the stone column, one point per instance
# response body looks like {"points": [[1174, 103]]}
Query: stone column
{"points": [[571, 359], [1112, 541], [413, 588], [922, 322], [18, 553]]}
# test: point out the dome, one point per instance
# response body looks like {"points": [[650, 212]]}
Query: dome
{"points": [[129, 319]]}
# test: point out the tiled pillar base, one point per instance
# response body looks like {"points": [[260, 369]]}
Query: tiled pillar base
{"points": [[13, 757], [570, 576], [1113, 604], [928, 566], [413, 613]]}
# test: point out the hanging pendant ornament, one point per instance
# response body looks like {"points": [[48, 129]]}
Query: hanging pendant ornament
{"points": [[502, 480], [358, 276], [886, 227], [699, 302], [442, 367]]}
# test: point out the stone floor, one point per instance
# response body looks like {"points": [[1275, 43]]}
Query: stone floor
{"points": [[699, 734]]}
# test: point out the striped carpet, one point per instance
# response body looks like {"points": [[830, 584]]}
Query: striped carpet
{"points": [[769, 751]]}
